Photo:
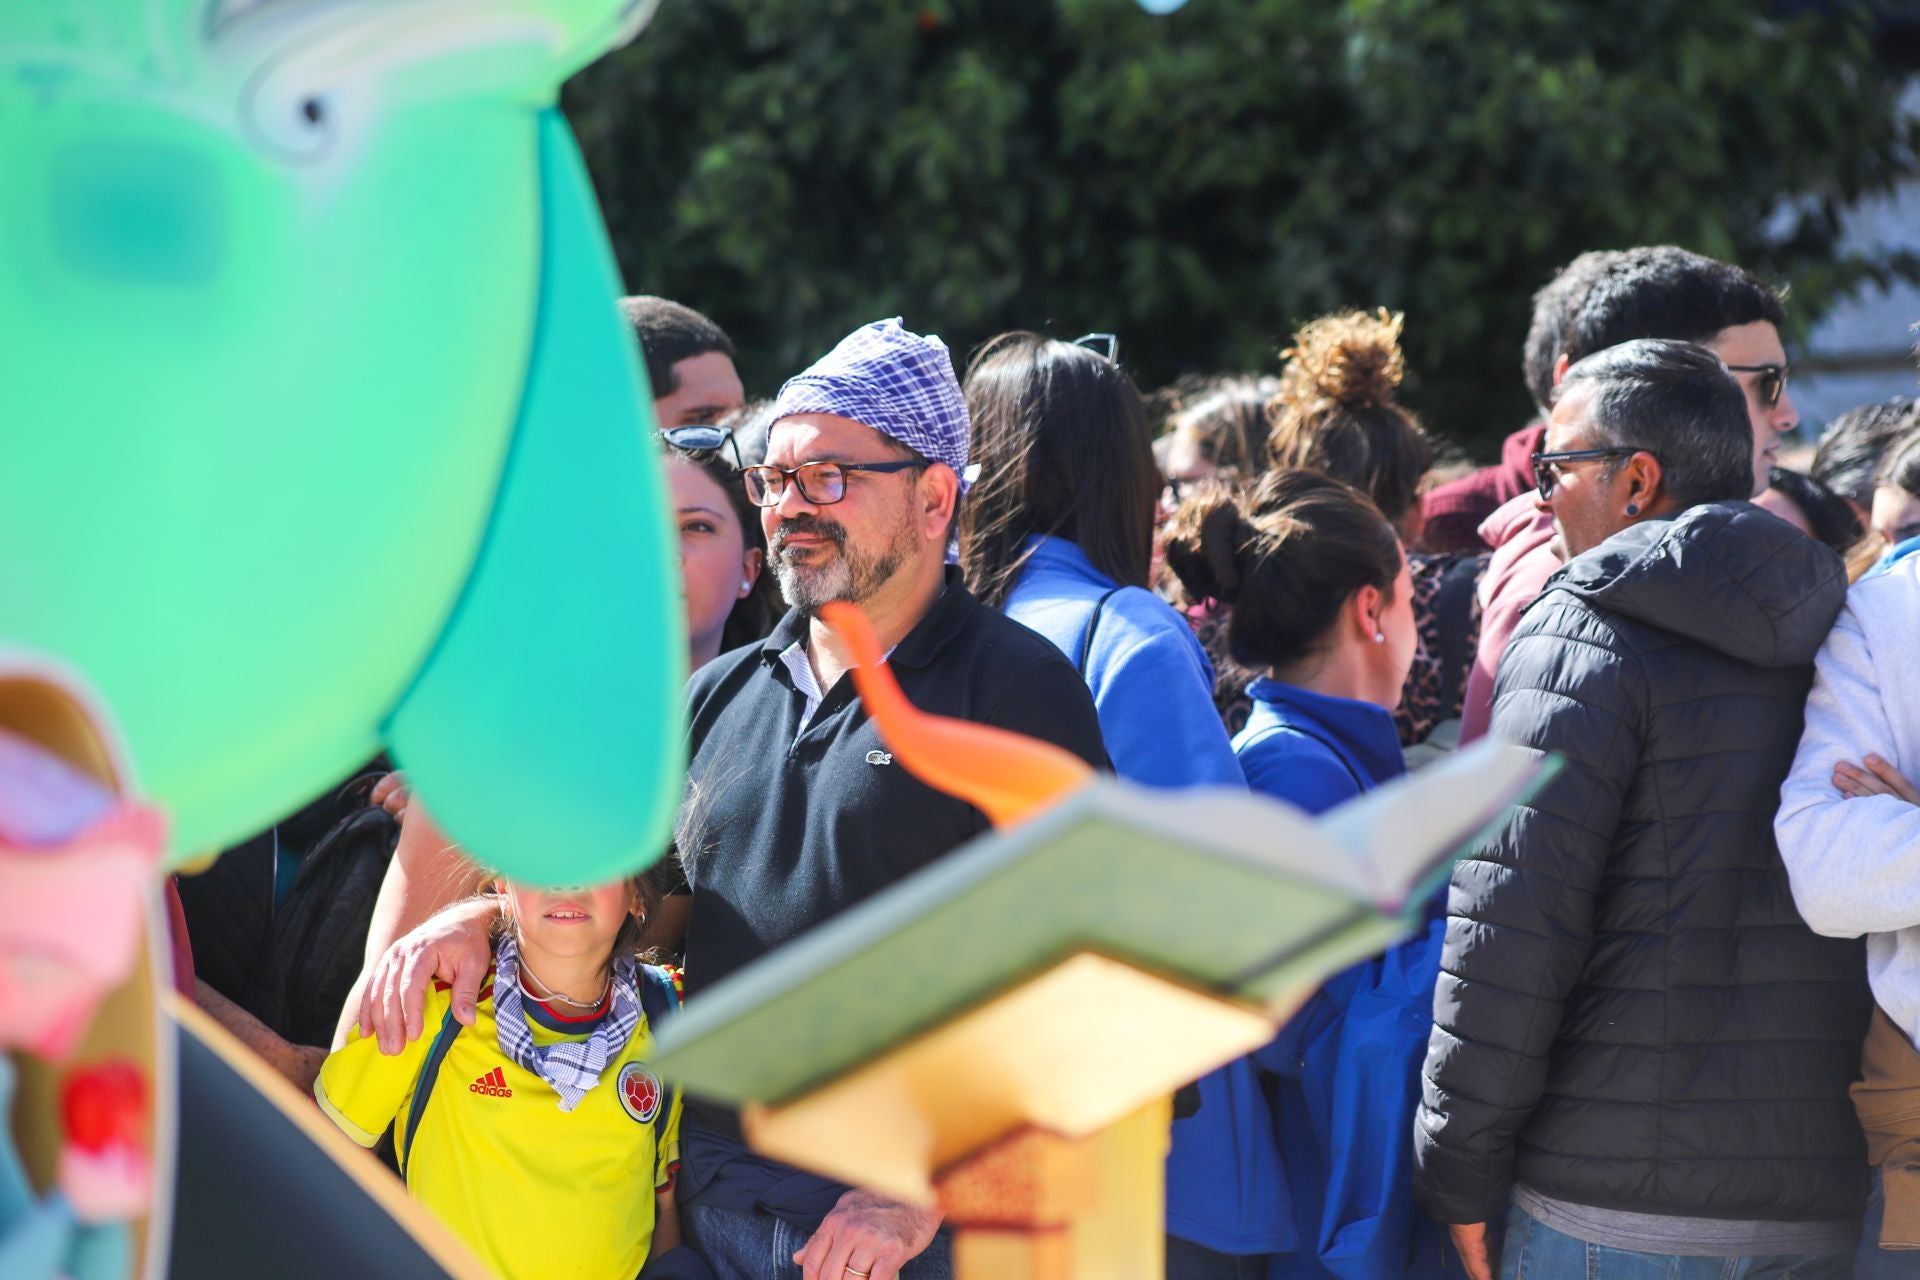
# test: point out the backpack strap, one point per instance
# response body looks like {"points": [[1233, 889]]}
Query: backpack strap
{"points": [[429, 1073], [1093, 625], [1360, 783], [659, 1000]]}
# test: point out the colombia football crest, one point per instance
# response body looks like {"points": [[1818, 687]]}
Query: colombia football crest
{"points": [[639, 1091]]}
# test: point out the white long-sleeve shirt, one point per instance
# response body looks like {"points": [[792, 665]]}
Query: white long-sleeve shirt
{"points": [[1855, 864]]}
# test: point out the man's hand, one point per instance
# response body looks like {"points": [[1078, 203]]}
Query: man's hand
{"points": [[867, 1235], [393, 794], [1470, 1242], [454, 946], [1874, 776]]}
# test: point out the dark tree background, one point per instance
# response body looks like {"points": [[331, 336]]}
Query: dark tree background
{"points": [[1203, 182]]}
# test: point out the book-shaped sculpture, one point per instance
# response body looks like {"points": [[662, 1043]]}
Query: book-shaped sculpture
{"points": [[251, 1146], [997, 1032]]}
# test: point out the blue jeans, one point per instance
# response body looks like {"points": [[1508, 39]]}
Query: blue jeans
{"points": [[1873, 1262], [744, 1244], [1535, 1251]]}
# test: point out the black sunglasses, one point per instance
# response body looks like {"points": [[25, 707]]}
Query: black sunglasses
{"points": [[699, 439], [1544, 478], [1106, 344], [1772, 382]]}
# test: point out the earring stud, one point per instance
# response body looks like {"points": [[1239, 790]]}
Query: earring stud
{"points": [[1379, 637], [1633, 508]]}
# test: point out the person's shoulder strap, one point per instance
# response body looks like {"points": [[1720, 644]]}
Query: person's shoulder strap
{"points": [[1331, 746], [429, 1072], [1093, 625], [659, 1000]]}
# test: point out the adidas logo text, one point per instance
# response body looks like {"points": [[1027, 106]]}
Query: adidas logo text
{"points": [[493, 1085]]}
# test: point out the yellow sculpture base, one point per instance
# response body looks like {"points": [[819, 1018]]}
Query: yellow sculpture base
{"points": [[1128, 1036], [1038, 1121]]}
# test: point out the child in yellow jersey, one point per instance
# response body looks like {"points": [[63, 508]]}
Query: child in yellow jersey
{"points": [[543, 1113]]}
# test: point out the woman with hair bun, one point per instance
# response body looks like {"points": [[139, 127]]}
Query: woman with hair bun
{"points": [[1322, 604], [1337, 412]]}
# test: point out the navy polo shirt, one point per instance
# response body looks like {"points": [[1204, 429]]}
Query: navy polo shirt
{"points": [[785, 828]]}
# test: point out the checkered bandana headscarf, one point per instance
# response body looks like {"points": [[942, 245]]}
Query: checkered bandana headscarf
{"points": [[571, 1067], [899, 383]]}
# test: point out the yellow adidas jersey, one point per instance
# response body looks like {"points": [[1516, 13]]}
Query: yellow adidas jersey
{"points": [[535, 1191]]}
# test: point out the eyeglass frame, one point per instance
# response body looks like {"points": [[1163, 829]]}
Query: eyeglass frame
{"points": [[1112, 340], [1545, 481], [792, 475], [1782, 372], [722, 435]]}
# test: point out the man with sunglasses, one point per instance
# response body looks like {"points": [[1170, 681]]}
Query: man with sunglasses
{"points": [[1641, 1054], [795, 808], [1599, 300]]}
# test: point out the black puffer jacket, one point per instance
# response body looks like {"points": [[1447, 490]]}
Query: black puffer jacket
{"points": [[1631, 1013]]}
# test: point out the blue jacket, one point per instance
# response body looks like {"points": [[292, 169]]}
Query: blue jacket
{"points": [[1152, 684], [1349, 1062], [1153, 688]]}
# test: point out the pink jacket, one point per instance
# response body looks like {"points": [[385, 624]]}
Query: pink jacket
{"points": [[1519, 533]]}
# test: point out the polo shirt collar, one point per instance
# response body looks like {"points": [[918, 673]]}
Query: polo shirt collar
{"points": [[918, 648]]}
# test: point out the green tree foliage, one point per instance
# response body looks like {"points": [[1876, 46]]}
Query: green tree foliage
{"points": [[1202, 183]]}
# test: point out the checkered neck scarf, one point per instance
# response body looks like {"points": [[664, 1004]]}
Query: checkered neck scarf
{"points": [[897, 382], [571, 1067]]}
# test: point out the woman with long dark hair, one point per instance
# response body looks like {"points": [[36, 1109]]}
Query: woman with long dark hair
{"points": [[1058, 532]]}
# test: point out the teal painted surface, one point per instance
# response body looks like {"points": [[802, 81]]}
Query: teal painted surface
{"points": [[318, 413]]}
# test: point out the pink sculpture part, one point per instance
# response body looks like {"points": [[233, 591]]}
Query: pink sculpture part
{"points": [[75, 865]]}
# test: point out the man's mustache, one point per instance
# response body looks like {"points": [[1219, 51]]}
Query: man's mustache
{"points": [[808, 526]]}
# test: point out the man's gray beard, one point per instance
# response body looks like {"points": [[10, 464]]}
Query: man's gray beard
{"points": [[847, 576]]}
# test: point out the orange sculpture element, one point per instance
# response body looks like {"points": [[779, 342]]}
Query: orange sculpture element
{"points": [[1007, 776]]}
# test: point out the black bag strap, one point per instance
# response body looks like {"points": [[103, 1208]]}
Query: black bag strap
{"points": [[659, 1000], [1093, 625], [429, 1073]]}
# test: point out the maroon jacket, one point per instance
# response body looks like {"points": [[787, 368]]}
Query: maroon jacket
{"points": [[1456, 510]]}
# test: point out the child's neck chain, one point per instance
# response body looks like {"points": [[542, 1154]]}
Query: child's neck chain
{"points": [[547, 995]]}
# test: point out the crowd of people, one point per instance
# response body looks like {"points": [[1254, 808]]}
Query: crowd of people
{"points": [[1638, 1034]]}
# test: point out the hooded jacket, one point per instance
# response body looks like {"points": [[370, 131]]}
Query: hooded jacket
{"points": [[1521, 536], [1455, 510], [1631, 1014]]}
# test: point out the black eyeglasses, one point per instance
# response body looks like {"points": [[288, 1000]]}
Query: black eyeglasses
{"points": [[699, 439], [1106, 344], [1544, 478], [1772, 382], [821, 483]]}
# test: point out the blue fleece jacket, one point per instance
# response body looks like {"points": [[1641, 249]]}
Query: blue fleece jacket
{"points": [[1153, 688], [1348, 1064], [1152, 684]]}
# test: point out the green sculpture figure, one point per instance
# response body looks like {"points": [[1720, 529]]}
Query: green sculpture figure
{"points": [[318, 426]]}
